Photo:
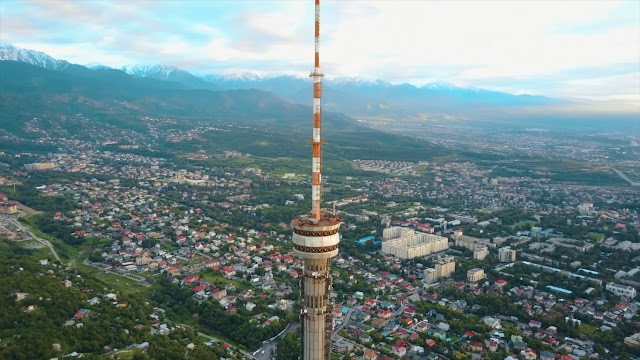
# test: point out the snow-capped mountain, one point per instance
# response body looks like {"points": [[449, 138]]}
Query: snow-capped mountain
{"points": [[154, 71], [37, 58], [98, 66], [243, 76], [355, 82], [350, 95], [358, 96], [439, 85], [168, 73]]}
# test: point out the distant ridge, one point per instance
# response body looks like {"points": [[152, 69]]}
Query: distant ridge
{"points": [[350, 95]]}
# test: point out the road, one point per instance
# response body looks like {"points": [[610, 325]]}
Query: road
{"points": [[214, 339], [344, 323], [269, 346], [41, 241], [265, 352], [621, 174]]}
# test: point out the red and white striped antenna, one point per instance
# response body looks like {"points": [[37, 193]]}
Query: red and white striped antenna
{"points": [[316, 142]]}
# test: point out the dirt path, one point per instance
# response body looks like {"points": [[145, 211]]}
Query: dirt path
{"points": [[28, 210]]}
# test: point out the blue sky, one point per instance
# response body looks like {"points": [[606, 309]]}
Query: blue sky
{"points": [[583, 49]]}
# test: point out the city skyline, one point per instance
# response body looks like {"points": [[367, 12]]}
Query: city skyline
{"points": [[562, 49]]}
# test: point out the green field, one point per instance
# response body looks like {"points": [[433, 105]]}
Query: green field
{"points": [[214, 279], [596, 237], [118, 283]]}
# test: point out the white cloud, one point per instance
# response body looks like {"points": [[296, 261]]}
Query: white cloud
{"points": [[509, 46], [617, 87]]}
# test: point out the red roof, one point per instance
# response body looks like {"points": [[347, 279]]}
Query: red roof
{"points": [[501, 282], [400, 222], [401, 343], [430, 342], [621, 306]]}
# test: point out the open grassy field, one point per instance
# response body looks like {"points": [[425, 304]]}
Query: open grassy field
{"points": [[118, 283], [525, 223], [596, 237], [562, 171], [220, 279]]}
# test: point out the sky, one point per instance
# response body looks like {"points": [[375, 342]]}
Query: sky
{"points": [[570, 49]]}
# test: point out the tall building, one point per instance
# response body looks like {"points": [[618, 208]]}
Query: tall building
{"points": [[506, 254], [430, 275], [480, 253], [315, 239], [444, 267]]}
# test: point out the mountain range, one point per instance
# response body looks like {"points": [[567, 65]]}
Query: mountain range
{"points": [[107, 105], [352, 96]]}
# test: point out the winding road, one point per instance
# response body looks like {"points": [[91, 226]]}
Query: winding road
{"points": [[214, 339], [41, 241], [269, 346]]}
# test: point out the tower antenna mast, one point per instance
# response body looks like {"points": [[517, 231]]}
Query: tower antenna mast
{"points": [[316, 142]]}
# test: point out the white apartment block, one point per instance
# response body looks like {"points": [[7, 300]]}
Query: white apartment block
{"points": [[430, 275], [445, 266], [506, 254], [405, 243], [621, 290], [470, 242], [480, 253]]}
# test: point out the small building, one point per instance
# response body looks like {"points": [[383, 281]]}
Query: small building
{"points": [[474, 275]]}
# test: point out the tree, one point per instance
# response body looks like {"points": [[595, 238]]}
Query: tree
{"points": [[289, 347]]}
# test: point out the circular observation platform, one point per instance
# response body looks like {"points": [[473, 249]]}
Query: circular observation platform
{"points": [[316, 238]]}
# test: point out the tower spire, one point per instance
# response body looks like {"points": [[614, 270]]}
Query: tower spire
{"points": [[316, 142]]}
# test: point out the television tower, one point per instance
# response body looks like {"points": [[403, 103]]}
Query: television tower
{"points": [[315, 240]]}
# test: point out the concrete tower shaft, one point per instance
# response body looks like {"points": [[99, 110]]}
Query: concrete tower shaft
{"points": [[316, 242]]}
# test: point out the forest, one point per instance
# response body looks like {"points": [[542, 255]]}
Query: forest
{"points": [[35, 305], [240, 327]]}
